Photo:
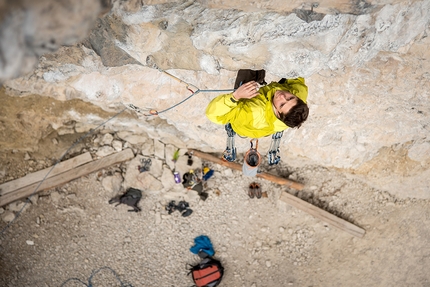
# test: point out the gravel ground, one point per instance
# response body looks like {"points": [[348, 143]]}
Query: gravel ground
{"points": [[71, 236]]}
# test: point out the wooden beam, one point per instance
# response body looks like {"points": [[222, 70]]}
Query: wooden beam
{"points": [[38, 176], [236, 166], [291, 199], [67, 176], [323, 215]]}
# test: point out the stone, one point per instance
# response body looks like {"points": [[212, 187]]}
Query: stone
{"points": [[148, 148], [34, 198], [167, 179], [105, 151], [159, 149], [117, 145], [55, 197], [16, 206], [66, 130], [112, 184], [132, 138], [8, 216], [107, 139]]}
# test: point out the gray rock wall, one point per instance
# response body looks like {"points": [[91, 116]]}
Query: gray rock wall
{"points": [[29, 29], [366, 67]]}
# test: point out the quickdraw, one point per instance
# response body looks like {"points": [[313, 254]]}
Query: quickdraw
{"points": [[273, 155], [150, 62], [230, 151]]}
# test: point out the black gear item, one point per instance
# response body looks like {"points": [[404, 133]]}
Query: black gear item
{"points": [[247, 75], [131, 198]]}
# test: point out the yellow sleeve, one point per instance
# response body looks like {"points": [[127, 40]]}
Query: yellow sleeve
{"points": [[221, 109]]}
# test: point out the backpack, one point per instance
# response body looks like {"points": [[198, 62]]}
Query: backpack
{"points": [[131, 197], [208, 273]]}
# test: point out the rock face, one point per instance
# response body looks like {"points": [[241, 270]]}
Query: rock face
{"points": [[29, 29], [366, 65]]}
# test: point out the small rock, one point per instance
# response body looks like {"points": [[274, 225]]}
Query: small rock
{"points": [[29, 242], [54, 141], [159, 149], [268, 263], [55, 196], [104, 151], [117, 145], [107, 139], [8, 216], [34, 198], [16, 206], [227, 173], [27, 156], [1, 210]]}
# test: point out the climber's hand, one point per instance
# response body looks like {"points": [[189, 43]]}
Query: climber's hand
{"points": [[246, 91]]}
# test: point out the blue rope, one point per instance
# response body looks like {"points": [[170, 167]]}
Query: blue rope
{"points": [[37, 187], [90, 284]]}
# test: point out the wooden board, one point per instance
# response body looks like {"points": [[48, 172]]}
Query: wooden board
{"points": [[323, 215], [291, 199], [38, 176], [236, 166], [67, 176]]}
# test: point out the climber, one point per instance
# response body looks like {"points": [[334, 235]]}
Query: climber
{"points": [[254, 112]]}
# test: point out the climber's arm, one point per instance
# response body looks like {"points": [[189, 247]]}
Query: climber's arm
{"points": [[220, 109]]}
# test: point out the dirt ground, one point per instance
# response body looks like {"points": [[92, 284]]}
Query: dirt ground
{"points": [[71, 236]]}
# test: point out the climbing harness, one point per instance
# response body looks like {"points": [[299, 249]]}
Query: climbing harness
{"points": [[273, 154], [251, 160], [150, 61], [230, 151]]}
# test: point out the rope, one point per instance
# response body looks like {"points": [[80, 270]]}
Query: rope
{"points": [[150, 62], [90, 284], [37, 187], [192, 95]]}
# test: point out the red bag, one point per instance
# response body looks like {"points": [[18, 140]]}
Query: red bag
{"points": [[208, 273]]}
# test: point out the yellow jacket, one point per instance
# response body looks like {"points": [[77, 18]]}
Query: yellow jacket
{"points": [[254, 117]]}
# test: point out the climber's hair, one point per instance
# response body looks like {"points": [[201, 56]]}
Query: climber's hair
{"points": [[296, 116]]}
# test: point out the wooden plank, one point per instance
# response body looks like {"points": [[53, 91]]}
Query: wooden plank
{"points": [[323, 215], [38, 176], [65, 177], [236, 166], [291, 199]]}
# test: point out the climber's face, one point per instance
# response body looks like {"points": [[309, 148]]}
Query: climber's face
{"points": [[283, 101]]}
